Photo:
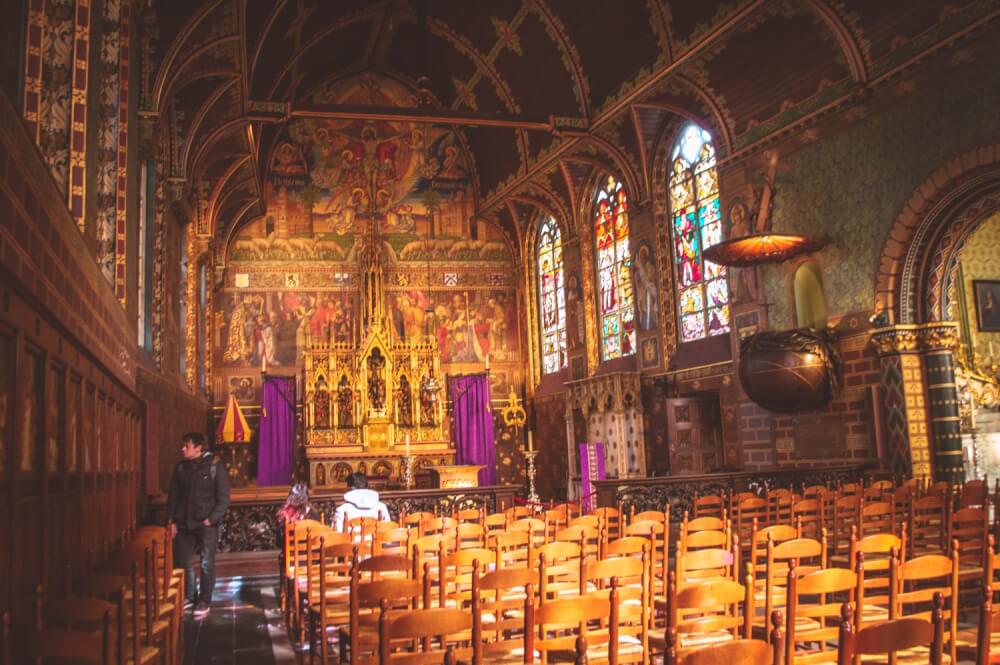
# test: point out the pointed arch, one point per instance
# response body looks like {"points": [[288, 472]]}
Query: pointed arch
{"points": [[551, 295]]}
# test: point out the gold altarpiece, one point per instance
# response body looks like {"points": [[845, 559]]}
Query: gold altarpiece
{"points": [[372, 401]]}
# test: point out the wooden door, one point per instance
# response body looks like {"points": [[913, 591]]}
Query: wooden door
{"points": [[693, 435]]}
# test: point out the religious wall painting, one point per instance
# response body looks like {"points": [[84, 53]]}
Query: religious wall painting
{"points": [[649, 352], [987, 294], [274, 325], [243, 388], [647, 296], [575, 319], [30, 444], [53, 417], [467, 325]]}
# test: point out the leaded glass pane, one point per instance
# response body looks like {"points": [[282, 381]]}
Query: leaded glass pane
{"points": [[703, 293], [614, 277], [692, 327], [551, 297]]}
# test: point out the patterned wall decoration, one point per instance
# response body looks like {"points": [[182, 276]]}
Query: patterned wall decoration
{"points": [[56, 89], [981, 260], [872, 178], [121, 202], [107, 138], [78, 114]]}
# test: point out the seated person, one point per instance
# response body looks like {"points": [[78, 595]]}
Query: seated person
{"points": [[359, 501]]}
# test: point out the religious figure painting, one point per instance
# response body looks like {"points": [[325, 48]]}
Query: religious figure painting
{"points": [[987, 294], [574, 313], [467, 325], [646, 290], [242, 388], [275, 325]]}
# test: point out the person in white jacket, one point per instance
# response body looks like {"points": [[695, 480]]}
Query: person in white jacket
{"points": [[359, 501]]}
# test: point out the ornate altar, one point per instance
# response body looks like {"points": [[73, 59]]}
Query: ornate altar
{"points": [[372, 400], [457, 476]]}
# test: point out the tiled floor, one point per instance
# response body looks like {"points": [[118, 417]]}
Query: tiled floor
{"points": [[244, 626]]}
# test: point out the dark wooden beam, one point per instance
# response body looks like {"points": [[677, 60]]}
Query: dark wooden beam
{"points": [[282, 111]]}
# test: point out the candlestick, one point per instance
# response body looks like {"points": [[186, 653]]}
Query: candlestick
{"points": [[408, 471], [532, 495], [531, 444]]}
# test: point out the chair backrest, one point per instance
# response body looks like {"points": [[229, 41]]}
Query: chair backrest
{"points": [[890, 636], [558, 624], [502, 596], [710, 505], [818, 611], [745, 652], [437, 631], [928, 525], [708, 607], [920, 580]]}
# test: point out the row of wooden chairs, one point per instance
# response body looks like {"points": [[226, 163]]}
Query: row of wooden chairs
{"points": [[126, 611]]}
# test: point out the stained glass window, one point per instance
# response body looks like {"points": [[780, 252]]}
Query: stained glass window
{"points": [[614, 271], [703, 293], [551, 297]]}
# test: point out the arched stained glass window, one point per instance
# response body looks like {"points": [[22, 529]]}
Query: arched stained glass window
{"points": [[614, 271], [702, 290], [551, 297]]}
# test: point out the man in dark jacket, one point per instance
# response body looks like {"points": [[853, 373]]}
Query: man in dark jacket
{"points": [[199, 497]]}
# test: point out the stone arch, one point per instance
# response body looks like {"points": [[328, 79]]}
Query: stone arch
{"points": [[911, 279]]}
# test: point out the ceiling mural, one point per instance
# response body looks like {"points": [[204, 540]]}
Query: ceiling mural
{"points": [[536, 73]]}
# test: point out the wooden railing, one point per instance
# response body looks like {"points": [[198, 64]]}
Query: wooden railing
{"points": [[251, 523], [679, 491]]}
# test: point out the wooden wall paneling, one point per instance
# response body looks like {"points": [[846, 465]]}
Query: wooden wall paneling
{"points": [[8, 347], [55, 442]]}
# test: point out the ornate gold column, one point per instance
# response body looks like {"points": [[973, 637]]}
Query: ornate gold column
{"points": [[920, 404]]}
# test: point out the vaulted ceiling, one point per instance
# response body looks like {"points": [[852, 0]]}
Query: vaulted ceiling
{"points": [[546, 92]]}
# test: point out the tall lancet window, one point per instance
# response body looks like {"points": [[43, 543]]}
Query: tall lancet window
{"points": [[614, 271], [551, 297], [702, 290]]}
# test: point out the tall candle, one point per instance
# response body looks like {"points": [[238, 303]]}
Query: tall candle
{"points": [[531, 444], [407, 444], [263, 364], [487, 362]]}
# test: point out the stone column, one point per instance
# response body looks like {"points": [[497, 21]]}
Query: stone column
{"points": [[937, 342], [920, 404]]}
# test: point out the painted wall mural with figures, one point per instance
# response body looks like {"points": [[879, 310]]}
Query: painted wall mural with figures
{"points": [[338, 193]]}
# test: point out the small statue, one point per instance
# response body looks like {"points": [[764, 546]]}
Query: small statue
{"points": [[376, 382], [405, 403], [345, 403], [321, 405], [428, 399]]}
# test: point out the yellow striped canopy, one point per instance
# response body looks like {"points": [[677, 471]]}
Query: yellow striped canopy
{"points": [[233, 427]]}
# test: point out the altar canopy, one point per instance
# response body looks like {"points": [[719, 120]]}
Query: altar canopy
{"points": [[277, 431], [473, 421]]}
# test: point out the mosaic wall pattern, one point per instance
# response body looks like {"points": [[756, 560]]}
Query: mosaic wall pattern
{"points": [[852, 186]]}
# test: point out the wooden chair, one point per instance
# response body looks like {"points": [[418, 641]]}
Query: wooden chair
{"points": [[751, 513], [563, 627], [611, 518], [808, 517], [138, 563], [877, 517], [457, 571], [328, 596], [630, 576], [513, 550], [846, 516], [805, 554], [559, 566], [744, 652], [810, 622], [913, 587], [969, 531], [779, 506], [706, 565], [296, 553], [587, 538], [438, 634], [928, 528], [62, 645], [359, 639], [532, 526], [907, 635], [502, 597], [872, 557], [469, 535], [706, 613], [710, 505], [133, 645]]}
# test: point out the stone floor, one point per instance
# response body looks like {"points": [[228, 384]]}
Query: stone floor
{"points": [[244, 626]]}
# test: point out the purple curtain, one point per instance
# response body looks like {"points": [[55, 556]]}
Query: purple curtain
{"points": [[276, 448], [472, 419], [591, 469]]}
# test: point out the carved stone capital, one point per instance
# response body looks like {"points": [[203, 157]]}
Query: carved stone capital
{"points": [[605, 392], [910, 338]]}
